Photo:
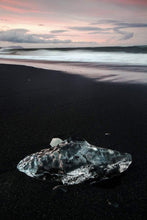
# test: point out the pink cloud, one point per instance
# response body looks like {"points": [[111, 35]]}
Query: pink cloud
{"points": [[16, 3], [18, 10], [18, 6]]}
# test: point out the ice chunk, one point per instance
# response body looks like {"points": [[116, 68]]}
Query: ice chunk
{"points": [[55, 142], [73, 161]]}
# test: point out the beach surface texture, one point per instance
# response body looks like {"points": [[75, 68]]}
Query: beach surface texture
{"points": [[37, 105]]}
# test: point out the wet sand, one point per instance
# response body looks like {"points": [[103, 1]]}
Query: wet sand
{"points": [[36, 105], [100, 72]]}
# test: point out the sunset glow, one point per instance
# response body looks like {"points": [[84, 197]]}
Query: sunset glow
{"points": [[67, 23]]}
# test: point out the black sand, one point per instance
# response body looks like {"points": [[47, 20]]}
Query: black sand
{"points": [[36, 105]]}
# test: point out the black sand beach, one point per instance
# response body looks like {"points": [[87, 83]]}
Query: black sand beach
{"points": [[37, 105]]}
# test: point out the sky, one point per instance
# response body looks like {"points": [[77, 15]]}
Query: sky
{"points": [[73, 23]]}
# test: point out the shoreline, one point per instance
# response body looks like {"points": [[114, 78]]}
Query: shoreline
{"points": [[132, 74]]}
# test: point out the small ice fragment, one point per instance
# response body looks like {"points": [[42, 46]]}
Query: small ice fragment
{"points": [[60, 187], [107, 134], [114, 204], [55, 141]]}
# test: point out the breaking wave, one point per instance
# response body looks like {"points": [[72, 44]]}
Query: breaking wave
{"points": [[107, 55]]}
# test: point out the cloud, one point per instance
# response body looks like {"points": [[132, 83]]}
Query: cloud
{"points": [[104, 21], [119, 23], [131, 25], [123, 25], [23, 36], [85, 28], [125, 35], [96, 30], [58, 31], [100, 32], [91, 29], [19, 6], [117, 27], [18, 10]]}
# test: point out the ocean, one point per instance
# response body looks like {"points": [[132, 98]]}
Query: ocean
{"points": [[110, 64]]}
